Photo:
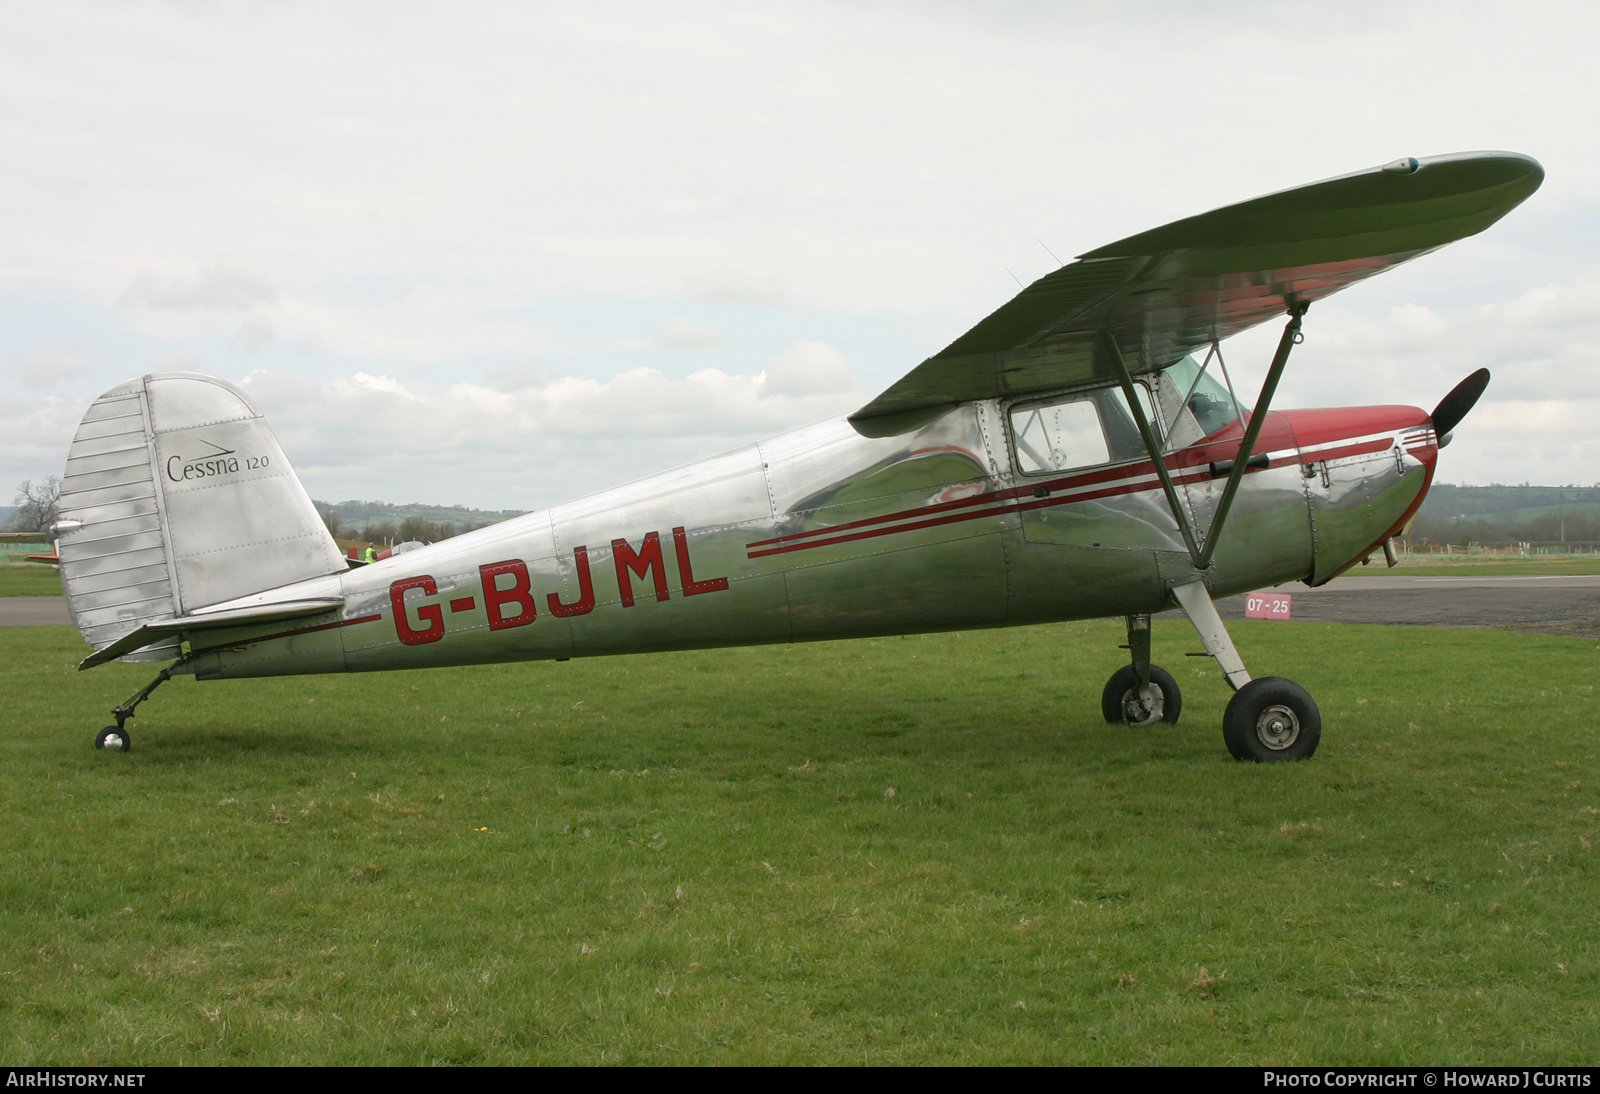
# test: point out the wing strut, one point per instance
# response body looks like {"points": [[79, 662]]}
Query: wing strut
{"points": [[1258, 417], [1151, 445], [1199, 554]]}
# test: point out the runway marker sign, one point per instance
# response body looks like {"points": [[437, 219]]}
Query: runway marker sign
{"points": [[1267, 606]]}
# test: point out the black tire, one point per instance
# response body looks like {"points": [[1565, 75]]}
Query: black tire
{"points": [[113, 739], [1271, 719], [1119, 694]]}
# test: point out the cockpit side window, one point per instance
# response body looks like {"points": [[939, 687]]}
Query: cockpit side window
{"points": [[1078, 430]]}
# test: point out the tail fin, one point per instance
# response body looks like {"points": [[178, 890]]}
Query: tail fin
{"points": [[176, 496]]}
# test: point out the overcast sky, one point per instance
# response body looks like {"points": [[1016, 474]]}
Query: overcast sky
{"points": [[503, 255]]}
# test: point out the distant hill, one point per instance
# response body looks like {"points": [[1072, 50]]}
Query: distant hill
{"points": [[1449, 500], [359, 512], [384, 522], [1498, 514]]}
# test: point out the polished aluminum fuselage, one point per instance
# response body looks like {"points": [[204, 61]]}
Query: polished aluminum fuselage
{"points": [[825, 533]]}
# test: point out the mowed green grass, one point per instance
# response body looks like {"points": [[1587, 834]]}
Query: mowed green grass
{"points": [[921, 850], [29, 579], [1480, 566]]}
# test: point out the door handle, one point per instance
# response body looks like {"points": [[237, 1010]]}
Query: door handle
{"points": [[1257, 462]]}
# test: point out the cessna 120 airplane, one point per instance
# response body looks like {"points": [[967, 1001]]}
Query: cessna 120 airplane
{"points": [[1066, 458]]}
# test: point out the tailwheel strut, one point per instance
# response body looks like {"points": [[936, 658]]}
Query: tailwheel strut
{"points": [[115, 738]]}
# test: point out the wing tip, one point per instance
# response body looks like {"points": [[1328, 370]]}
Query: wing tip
{"points": [[1504, 179]]}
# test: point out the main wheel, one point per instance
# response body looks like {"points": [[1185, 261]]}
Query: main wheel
{"points": [[1121, 705], [1271, 719], [113, 738]]}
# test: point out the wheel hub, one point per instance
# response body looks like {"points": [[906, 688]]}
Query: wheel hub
{"points": [[1278, 727], [1142, 712]]}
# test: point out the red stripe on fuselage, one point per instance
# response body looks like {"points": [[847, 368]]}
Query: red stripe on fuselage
{"points": [[996, 503], [1188, 466], [1282, 432]]}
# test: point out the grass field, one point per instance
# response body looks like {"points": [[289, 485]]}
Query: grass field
{"points": [[1480, 566], [29, 579], [1532, 512], [887, 851]]}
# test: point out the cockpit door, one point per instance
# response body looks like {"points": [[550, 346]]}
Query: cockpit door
{"points": [[1084, 474]]}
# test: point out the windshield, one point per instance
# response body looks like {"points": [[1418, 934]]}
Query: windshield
{"points": [[1207, 399]]}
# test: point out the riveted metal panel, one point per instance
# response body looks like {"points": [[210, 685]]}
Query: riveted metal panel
{"points": [[176, 496]]}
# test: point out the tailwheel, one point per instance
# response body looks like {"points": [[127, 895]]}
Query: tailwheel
{"points": [[1271, 719], [113, 739], [116, 737], [1122, 705]]}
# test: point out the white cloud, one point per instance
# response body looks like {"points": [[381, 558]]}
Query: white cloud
{"points": [[1415, 323], [229, 284], [807, 368], [735, 285], [546, 440], [229, 293], [255, 331], [35, 433], [686, 334], [362, 382], [179, 362], [51, 367]]}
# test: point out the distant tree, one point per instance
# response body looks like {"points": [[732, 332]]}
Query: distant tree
{"points": [[415, 528], [379, 531], [335, 525], [37, 505]]}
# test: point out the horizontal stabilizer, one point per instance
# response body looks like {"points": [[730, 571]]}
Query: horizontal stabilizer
{"points": [[151, 633], [1167, 292]]}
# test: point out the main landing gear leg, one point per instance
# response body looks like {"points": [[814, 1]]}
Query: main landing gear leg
{"points": [[1267, 719], [115, 738], [1140, 694]]}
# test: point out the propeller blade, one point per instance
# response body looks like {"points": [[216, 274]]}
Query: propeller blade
{"points": [[1454, 406]]}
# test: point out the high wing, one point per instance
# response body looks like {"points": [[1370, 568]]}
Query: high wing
{"points": [[1166, 292]]}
